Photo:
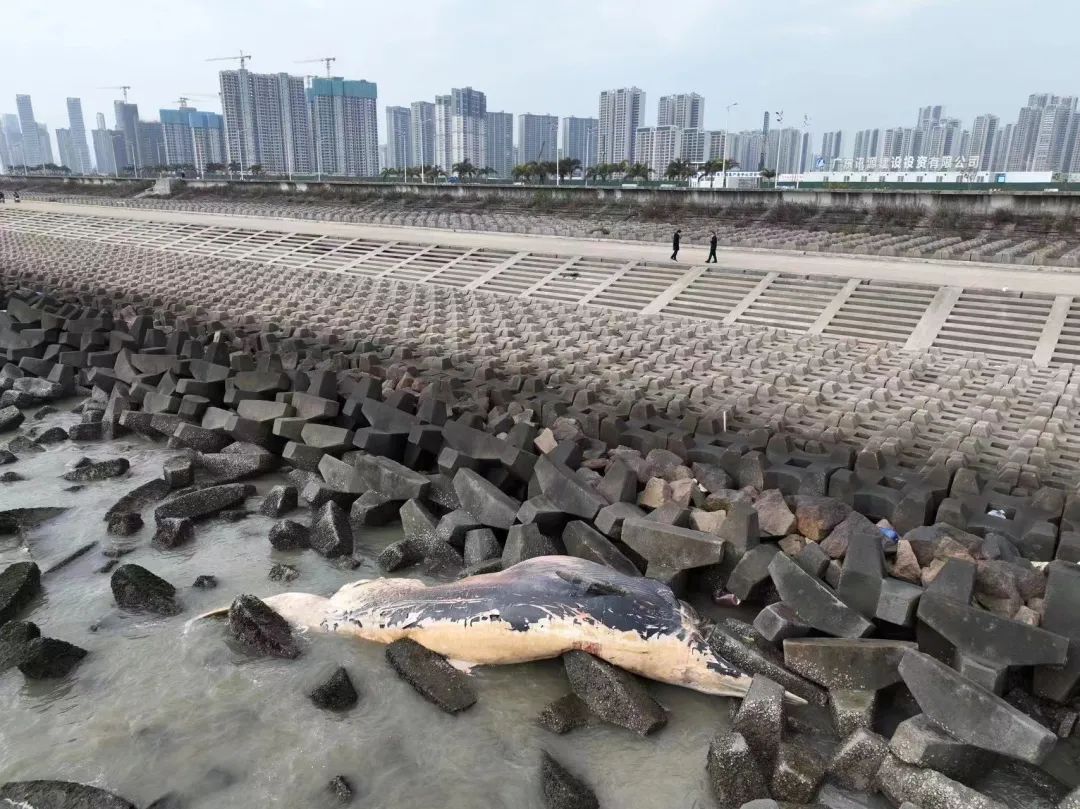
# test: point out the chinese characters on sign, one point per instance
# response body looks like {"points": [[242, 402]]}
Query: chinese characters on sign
{"points": [[909, 163]]}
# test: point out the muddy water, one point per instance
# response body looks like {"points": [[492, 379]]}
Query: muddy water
{"points": [[160, 706]]}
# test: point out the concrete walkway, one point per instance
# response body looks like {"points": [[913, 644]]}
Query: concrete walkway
{"points": [[972, 275]]}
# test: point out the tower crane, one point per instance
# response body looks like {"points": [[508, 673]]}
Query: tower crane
{"points": [[124, 87], [189, 96], [243, 57], [327, 59]]}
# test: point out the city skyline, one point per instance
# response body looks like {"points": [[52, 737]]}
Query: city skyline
{"points": [[288, 124], [824, 40]]}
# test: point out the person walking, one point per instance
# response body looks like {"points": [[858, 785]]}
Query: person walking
{"points": [[15, 196], [3, 199], [712, 249], [675, 245]]}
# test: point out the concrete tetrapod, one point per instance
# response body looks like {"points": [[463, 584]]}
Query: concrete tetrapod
{"points": [[814, 603], [972, 714]]}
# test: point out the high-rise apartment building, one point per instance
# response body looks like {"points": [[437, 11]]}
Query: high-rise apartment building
{"points": [[64, 149], [193, 138], [964, 149], [461, 128], [866, 143], [5, 153], [657, 147], [621, 114], [785, 150], [267, 121], [693, 145], [79, 148], [901, 142], [941, 139], [127, 121], [1030, 134], [831, 146], [500, 143], [110, 151], [1002, 144], [983, 134], [45, 144], [579, 139], [1070, 159], [444, 127], [697, 146], [684, 110], [423, 133], [1051, 144], [399, 144], [152, 144], [746, 148], [345, 126], [31, 137], [9, 125], [928, 117], [538, 137]]}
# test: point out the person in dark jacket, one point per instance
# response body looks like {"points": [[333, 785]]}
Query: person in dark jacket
{"points": [[712, 249], [675, 245]]}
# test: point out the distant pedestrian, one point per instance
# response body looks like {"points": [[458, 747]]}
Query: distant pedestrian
{"points": [[675, 245], [15, 196], [3, 199], [712, 249]]}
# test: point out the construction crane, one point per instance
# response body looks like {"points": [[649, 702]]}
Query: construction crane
{"points": [[124, 87], [328, 59], [188, 96], [243, 57]]}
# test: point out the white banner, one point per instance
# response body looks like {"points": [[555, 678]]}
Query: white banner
{"points": [[908, 163]]}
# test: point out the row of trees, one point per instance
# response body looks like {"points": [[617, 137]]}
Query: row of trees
{"points": [[533, 171]]}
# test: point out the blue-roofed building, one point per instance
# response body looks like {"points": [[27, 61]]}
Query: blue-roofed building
{"points": [[345, 127], [193, 138]]}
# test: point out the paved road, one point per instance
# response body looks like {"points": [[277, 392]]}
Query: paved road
{"points": [[1045, 279]]}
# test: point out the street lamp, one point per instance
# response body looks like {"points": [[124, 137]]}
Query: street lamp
{"points": [[727, 134], [776, 171], [585, 168], [802, 133], [422, 157]]}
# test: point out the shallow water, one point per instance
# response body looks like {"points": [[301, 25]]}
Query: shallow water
{"points": [[161, 706]]}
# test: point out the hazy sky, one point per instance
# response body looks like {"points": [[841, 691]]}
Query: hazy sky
{"points": [[847, 64]]}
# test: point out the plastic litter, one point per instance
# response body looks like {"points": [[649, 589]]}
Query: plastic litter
{"points": [[890, 534], [997, 512]]}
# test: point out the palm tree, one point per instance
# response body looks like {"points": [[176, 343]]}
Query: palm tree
{"points": [[387, 173], [465, 169], [521, 172], [717, 166], [234, 166], [602, 171], [637, 171], [256, 169], [567, 167], [215, 168], [768, 174], [679, 170]]}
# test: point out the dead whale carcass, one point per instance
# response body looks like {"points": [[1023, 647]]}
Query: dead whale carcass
{"points": [[535, 610]]}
